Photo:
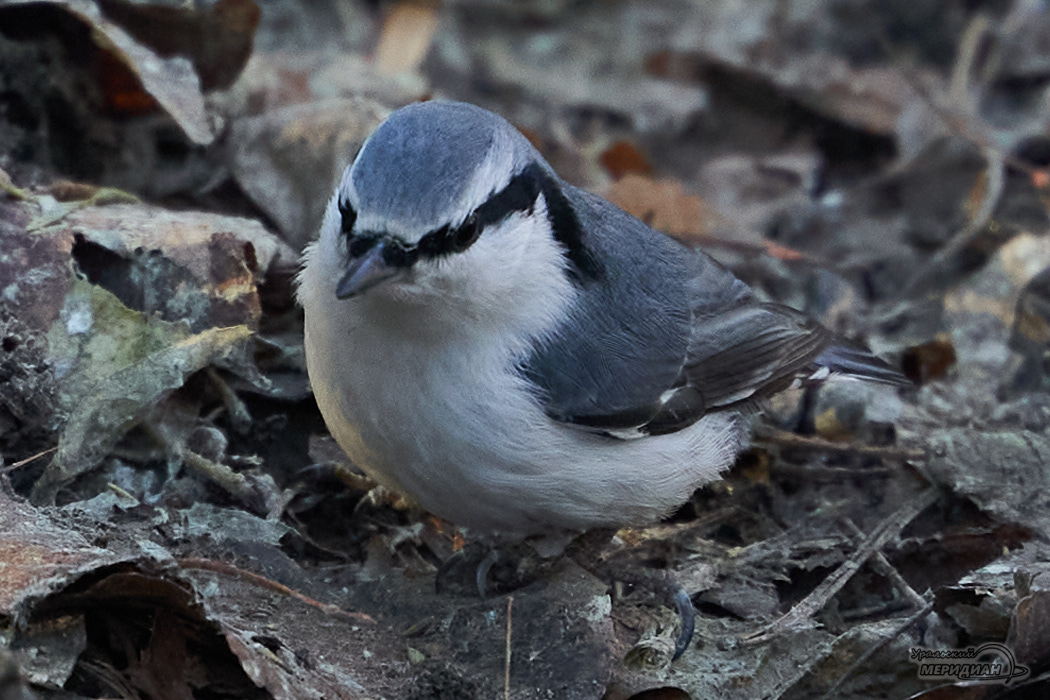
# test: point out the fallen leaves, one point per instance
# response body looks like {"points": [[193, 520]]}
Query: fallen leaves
{"points": [[169, 83], [150, 354]]}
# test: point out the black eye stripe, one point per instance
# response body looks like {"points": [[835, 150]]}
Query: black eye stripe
{"points": [[361, 244], [518, 196], [347, 217]]}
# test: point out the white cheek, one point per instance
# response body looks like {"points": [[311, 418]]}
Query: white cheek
{"points": [[319, 271], [513, 278]]}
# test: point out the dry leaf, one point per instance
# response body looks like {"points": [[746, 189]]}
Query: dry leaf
{"points": [[288, 160], [662, 204], [135, 76], [217, 39], [623, 158]]}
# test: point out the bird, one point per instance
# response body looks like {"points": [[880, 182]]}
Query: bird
{"points": [[521, 357]]}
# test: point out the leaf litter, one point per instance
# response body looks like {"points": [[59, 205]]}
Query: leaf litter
{"points": [[188, 534]]}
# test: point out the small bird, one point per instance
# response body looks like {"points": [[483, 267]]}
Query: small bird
{"points": [[521, 357]]}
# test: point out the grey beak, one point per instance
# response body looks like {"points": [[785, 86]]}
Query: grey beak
{"points": [[365, 272]]}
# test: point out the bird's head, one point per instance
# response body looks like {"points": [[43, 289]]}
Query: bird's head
{"points": [[448, 204]]}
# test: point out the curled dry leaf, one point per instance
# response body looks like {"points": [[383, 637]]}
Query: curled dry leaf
{"points": [[134, 77], [38, 557], [118, 365], [166, 296], [194, 267], [218, 40]]}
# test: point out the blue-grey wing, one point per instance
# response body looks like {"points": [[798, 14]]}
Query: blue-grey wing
{"points": [[663, 334], [626, 338]]}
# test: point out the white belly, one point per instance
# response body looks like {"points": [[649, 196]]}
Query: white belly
{"points": [[455, 429]]}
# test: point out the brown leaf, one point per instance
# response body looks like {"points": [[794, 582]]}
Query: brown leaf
{"points": [[931, 360], [287, 160], [135, 78], [1029, 635], [218, 40], [663, 204], [623, 158], [165, 669], [38, 557]]}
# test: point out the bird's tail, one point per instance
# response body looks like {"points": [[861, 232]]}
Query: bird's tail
{"points": [[844, 358]]}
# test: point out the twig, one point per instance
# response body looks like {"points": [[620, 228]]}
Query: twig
{"points": [[769, 248], [300, 530], [823, 473], [832, 692], [263, 582], [506, 654], [955, 125], [783, 438], [21, 463], [12, 191], [240, 417], [882, 566], [962, 71], [886, 530], [232, 482]]}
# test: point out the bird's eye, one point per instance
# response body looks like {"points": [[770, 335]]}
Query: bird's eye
{"points": [[347, 217], [468, 232]]}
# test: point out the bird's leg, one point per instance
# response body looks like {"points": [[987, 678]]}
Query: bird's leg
{"points": [[590, 551]]}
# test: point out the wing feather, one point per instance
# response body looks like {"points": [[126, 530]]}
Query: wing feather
{"points": [[666, 334]]}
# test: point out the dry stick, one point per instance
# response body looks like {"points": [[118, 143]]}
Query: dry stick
{"points": [[27, 460], [962, 71], [883, 566], [954, 124], [263, 582], [238, 412], [886, 530], [822, 473], [232, 482], [765, 248], [874, 649], [783, 438], [506, 657]]}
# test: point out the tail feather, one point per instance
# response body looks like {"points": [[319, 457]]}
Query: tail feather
{"points": [[854, 361]]}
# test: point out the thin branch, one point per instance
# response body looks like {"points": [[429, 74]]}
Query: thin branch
{"points": [[995, 183], [833, 691], [21, 463], [783, 438], [801, 615], [263, 582], [883, 566]]}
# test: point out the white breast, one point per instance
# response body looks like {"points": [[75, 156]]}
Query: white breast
{"points": [[426, 399]]}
